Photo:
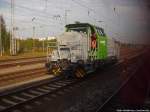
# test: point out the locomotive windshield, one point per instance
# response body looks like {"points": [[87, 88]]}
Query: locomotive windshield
{"points": [[65, 53], [61, 53], [100, 31], [78, 29]]}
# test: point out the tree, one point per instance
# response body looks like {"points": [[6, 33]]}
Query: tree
{"points": [[5, 36]]}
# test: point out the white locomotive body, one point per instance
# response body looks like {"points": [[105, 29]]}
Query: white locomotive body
{"points": [[71, 46]]}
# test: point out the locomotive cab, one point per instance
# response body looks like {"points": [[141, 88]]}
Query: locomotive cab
{"points": [[61, 53]]}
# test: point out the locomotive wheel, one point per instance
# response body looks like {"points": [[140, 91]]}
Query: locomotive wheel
{"points": [[80, 72]]}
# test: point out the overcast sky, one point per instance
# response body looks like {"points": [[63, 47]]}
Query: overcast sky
{"points": [[125, 20]]}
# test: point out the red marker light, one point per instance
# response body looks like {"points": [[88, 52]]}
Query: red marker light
{"points": [[93, 41]]}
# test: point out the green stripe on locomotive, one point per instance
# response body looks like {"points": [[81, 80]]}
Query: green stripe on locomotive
{"points": [[102, 43]]}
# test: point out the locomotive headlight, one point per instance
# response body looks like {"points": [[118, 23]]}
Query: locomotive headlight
{"points": [[73, 59]]}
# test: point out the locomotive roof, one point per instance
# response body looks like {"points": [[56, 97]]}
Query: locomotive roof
{"points": [[82, 25], [79, 25]]}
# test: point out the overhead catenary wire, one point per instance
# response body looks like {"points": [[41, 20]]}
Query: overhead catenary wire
{"points": [[89, 9], [40, 13], [83, 5], [39, 20], [45, 15], [93, 10], [42, 17]]}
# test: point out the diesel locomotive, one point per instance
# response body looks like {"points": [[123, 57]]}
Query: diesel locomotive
{"points": [[80, 50]]}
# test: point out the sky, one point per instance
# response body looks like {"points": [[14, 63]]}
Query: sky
{"points": [[124, 20]]}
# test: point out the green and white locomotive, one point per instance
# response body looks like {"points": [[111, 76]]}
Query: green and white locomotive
{"points": [[80, 50]]}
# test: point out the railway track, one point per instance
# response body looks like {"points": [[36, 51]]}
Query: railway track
{"points": [[14, 100], [10, 78], [23, 58], [17, 100], [21, 61]]}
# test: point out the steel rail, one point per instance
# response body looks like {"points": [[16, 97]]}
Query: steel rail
{"points": [[53, 85], [21, 62], [23, 58], [59, 84], [21, 74], [34, 92]]}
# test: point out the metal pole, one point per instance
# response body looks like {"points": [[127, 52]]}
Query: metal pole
{"points": [[1, 52], [11, 30], [12, 41], [14, 32], [17, 40], [66, 14], [65, 17], [33, 38], [45, 5], [43, 45]]}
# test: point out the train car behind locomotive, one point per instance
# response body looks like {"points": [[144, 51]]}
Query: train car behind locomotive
{"points": [[81, 50]]}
